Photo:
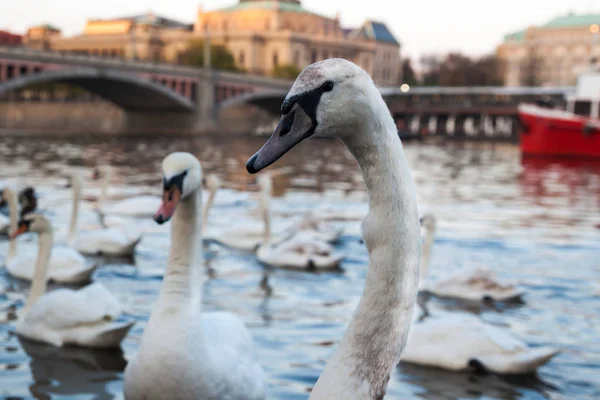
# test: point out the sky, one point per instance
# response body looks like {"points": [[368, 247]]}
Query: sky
{"points": [[474, 27]]}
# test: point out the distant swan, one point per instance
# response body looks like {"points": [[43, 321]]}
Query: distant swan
{"points": [[463, 342], [476, 284], [139, 206], [301, 250], [85, 317], [108, 242], [335, 97], [66, 265], [186, 354]]}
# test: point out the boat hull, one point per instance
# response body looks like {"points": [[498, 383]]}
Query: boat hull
{"points": [[549, 132]]}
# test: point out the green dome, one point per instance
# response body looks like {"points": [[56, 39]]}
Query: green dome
{"points": [[573, 21]]}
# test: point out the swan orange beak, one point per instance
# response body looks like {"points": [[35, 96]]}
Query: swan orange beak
{"points": [[170, 200], [21, 229]]}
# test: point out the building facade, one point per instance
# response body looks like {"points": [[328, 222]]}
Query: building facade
{"points": [[10, 39], [262, 35], [553, 54]]}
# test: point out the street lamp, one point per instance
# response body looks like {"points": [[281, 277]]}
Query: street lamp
{"points": [[405, 88], [594, 28]]}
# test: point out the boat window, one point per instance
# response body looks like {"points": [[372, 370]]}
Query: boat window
{"points": [[583, 108]]}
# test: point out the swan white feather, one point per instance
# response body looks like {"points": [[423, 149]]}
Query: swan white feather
{"points": [[185, 354]]}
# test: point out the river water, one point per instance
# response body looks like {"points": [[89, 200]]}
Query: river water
{"points": [[534, 222]]}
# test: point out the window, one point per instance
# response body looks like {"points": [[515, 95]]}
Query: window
{"points": [[275, 59], [296, 57], [242, 58], [314, 56]]}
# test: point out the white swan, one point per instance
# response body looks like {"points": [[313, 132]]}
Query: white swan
{"points": [[109, 242], [302, 250], [458, 342], [335, 97], [85, 317], [186, 354], [66, 265], [473, 284], [138, 206]]}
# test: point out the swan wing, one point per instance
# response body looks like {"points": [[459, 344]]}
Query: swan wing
{"points": [[231, 348], [136, 206], [107, 241], [65, 308]]}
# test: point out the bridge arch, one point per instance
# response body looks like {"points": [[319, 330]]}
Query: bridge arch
{"points": [[123, 89], [269, 101]]}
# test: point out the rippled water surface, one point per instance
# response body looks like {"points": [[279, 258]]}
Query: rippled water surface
{"points": [[535, 222]]}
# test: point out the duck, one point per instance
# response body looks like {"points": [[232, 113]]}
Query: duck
{"points": [[185, 353], [461, 342], [107, 241], [301, 250], [140, 206], [479, 284], [335, 97], [86, 317], [66, 265]]}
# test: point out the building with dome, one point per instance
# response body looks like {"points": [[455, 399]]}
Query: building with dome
{"points": [[262, 35], [265, 34], [553, 54]]}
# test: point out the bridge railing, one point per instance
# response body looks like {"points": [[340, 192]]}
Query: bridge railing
{"points": [[141, 66]]}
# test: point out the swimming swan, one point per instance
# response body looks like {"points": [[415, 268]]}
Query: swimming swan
{"points": [[301, 250], [85, 317], [184, 353], [66, 264], [459, 342], [108, 242], [336, 97], [474, 284]]}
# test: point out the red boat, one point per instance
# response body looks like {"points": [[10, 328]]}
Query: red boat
{"points": [[572, 132]]}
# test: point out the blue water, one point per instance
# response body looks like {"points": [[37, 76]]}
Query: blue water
{"points": [[534, 222]]}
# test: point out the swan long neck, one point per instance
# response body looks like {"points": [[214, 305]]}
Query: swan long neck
{"points": [[74, 209], [13, 210], [377, 333], [183, 278], [265, 210], [105, 186], [209, 203], [426, 252], [38, 286]]}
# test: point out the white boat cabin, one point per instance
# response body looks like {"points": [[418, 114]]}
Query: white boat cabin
{"points": [[586, 99]]}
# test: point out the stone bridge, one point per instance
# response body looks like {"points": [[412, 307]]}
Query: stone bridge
{"points": [[142, 88], [165, 97]]}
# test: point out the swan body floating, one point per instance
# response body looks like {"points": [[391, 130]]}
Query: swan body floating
{"points": [[337, 98], [462, 342], [186, 354], [139, 206], [301, 250], [476, 284], [108, 242], [85, 317], [66, 265]]}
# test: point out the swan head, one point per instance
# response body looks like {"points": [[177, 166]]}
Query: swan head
{"points": [[212, 182], [332, 98], [36, 223], [182, 176]]}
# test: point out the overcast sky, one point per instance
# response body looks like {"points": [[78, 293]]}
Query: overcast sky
{"points": [[423, 26]]}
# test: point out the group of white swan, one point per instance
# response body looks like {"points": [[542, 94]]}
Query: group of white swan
{"points": [[187, 354]]}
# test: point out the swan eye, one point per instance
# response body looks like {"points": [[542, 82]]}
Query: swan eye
{"points": [[327, 86]]}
